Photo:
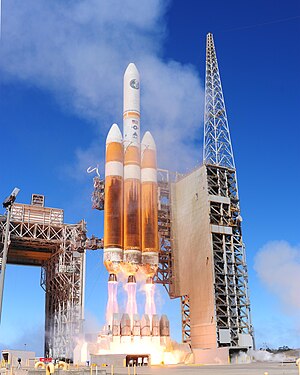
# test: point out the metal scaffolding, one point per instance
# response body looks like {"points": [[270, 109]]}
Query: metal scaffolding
{"points": [[38, 236], [164, 273], [185, 319], [63, 279], [230, 270], [217, 148]]}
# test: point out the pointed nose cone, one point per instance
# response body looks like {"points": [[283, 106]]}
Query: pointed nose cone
{"points": [[148, 142], [114, 135], [132, 77], [131, 70], [131, 87]]}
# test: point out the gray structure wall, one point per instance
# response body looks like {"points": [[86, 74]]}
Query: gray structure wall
{"points": [[208, 258], [192, 255]]}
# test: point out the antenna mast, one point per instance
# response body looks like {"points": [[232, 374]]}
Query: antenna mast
{"points": [[217, 148]]}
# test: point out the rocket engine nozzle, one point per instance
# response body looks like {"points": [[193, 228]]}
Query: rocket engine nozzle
{"points": [[149, 280], [131, 279], [112, 277]]}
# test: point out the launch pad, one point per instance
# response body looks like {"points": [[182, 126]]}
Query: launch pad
{"points": [[181, 231], [147, 338]]}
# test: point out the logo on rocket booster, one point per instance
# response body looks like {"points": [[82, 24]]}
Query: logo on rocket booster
{"points": [[134, 83], [135, 124]]}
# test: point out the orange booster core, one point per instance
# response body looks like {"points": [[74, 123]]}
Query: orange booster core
{"points": [[113, 213], [149, 212], [132, 210]]}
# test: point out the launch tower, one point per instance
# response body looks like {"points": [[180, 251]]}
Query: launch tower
{"points": [[205, 264], [39, 237], [230, 276]]}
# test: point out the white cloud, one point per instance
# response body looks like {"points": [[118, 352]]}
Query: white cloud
{"points": [[79, 51], [278, 266]]}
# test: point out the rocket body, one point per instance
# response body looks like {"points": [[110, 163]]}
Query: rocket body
{"points": [[132, 171], [131, 209], [113, 213], [130, 215], [149, 206]]}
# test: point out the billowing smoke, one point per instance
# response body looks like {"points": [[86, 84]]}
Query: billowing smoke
{"points": [[79, 50], [265, 356], [278, 266]]}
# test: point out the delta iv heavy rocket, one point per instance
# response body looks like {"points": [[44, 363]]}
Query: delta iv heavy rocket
{"points": [[130, 215]]}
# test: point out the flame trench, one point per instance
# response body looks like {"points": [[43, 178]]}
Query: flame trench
{"points": [[131, 307], [112, 302]]}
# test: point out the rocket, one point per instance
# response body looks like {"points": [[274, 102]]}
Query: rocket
{"points": [[132, 171], [130, 215], [131, 212], [149, 207], [113, 213]]}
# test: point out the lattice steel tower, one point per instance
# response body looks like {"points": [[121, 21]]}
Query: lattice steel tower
{"points": [[230, 270], [207, 264], [217, 148]]}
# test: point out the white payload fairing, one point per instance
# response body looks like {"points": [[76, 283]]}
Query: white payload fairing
{"points": [[131, 107]]}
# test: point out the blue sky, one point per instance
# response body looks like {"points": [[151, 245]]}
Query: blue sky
{"points": [[61, 73]]}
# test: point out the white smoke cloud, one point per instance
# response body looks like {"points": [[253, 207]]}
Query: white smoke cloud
{"points": [[79, 51], [278, 266], [265, 356]]}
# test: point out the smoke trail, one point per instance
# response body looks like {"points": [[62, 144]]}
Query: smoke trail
{"points": [[150, 307], [112, 302], [131, 307]]}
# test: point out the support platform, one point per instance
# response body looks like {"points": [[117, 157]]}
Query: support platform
{"points": [[39, 237]]}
